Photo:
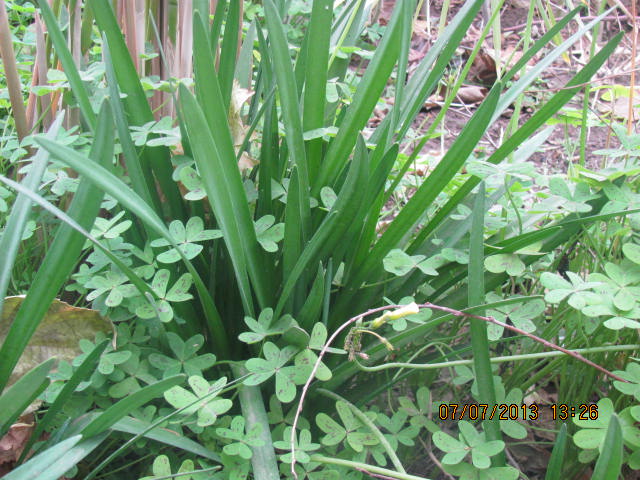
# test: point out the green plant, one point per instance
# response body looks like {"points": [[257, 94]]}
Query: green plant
{"points": [[291, 242]]}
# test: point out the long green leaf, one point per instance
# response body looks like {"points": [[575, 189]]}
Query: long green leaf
{"points": [[530, 126], [554, 467], [335, 225], [123, 407], [229, 51], [141, 179], [136, 104], [426, 193], [228, 200], [364, 101], [83, 372], [135, 426], [17, 398], [291, 115], [317, 57], [38, 466], [478, 328], [609, 462], [14, 228], [263, 460]]}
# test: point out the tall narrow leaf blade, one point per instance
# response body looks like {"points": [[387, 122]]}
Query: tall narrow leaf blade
{"points": [[14, 228], [123, 407]]}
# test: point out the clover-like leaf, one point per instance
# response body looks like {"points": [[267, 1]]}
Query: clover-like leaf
{"points": [[593, 432], [575, 289], [262, 328], [110, 228], [335, 432], [184, 357], [179, 292], [113, 284], [470, 440], [303, 445], [399, 431], [420, 410], [207, 406], [273, 363], [186, 237], [632, 252], [400, 263], [505, 262], [241, 442], [632, 375], [520, 314], [191, 180], [269, 234]]}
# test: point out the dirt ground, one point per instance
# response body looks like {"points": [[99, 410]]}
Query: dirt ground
{"points": [[562, 147]]}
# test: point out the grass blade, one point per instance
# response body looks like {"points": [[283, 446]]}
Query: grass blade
{"points": [[369, 90], [228, 200], [554, 467], [83, 372], [12, 236], [426, 193], [229, 51], [319, 36], [291, 114], [528, 128], [123, 407], [61, 256], [139, 112], [478, 333], [135, 426], [263, 460], [609, 462], [17, 398]]}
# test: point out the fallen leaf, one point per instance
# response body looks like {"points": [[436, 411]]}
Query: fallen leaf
{"points": [[62, 327], [14, 441], [469, 94]]}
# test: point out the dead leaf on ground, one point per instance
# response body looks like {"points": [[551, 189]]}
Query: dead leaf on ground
{"points": [[62, 327], [471, 94], [14, 441]]}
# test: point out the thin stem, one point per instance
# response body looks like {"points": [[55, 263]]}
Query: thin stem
{"points": [[544, 342], [509, 358]]}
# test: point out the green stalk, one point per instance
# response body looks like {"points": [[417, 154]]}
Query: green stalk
{"points": [[479, 338], [265, 465], [508, 358]]}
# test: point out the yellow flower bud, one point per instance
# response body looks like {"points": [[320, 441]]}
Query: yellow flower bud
{"points": [[409, 309]]}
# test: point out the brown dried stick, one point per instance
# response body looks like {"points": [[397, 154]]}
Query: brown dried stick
{"points": [[544, 342]]}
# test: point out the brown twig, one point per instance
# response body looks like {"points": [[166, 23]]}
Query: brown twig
{"points": [[544, 342]]}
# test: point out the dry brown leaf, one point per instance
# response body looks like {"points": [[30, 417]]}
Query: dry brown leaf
{"points": [[13, 443], [471, 94]]}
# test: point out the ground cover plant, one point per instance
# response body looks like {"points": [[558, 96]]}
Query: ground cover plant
{"points": [[238, 228]]}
